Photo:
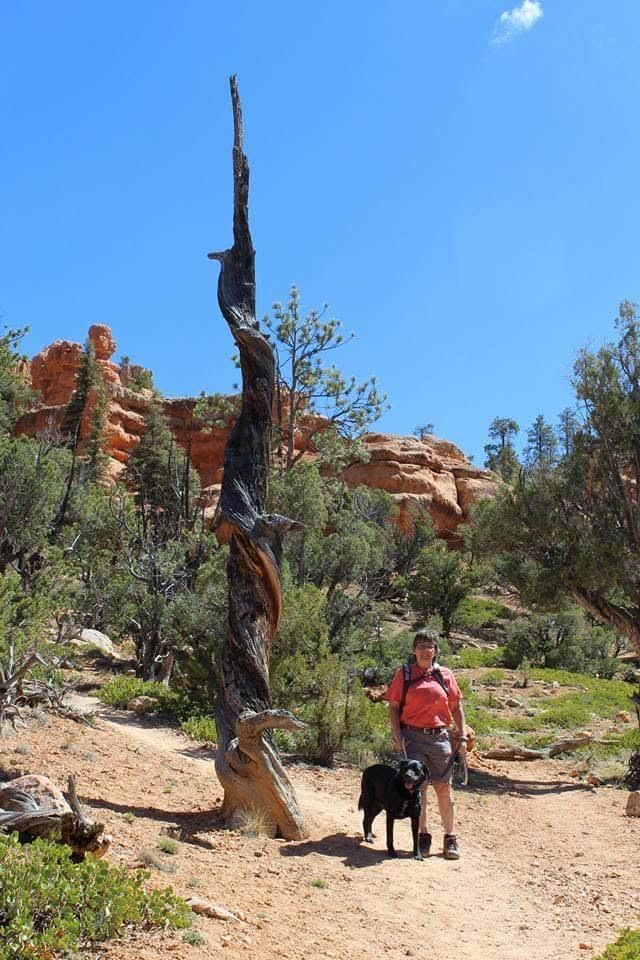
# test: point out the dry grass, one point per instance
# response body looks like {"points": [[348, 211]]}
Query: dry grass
{"points": [[253, 822]]}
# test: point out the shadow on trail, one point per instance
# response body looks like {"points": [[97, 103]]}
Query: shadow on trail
{"points": [[481, 781], [187, 826], [351, 850]]}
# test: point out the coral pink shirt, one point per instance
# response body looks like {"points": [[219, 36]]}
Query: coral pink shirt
{"points": [[427, 705]]}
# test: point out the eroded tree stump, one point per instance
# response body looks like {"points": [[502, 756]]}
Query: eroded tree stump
{"points": [[247, 762]]}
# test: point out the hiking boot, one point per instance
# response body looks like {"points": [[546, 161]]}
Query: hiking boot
{"points": [[424, 842], [451, 849]]}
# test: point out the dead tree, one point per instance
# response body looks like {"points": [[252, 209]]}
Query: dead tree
{"points": [[33, 806], [247, 761]]}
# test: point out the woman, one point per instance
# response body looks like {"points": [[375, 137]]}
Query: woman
{"points": [[422, 706]]}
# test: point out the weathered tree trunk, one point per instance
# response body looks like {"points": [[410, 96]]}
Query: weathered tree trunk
{"points": [[33, 806], [247, 762]]}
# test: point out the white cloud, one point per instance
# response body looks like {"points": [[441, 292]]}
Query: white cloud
{"points": [[518, 20]]}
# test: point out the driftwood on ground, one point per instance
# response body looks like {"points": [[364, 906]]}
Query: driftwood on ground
{"points": [[544, 753], [247, 762], [33, 806]]}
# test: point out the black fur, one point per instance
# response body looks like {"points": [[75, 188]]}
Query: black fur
{"points": [[396, 791]]}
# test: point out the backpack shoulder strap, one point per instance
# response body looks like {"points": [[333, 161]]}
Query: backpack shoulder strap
{"points": [[406, 683], [438, 675]]}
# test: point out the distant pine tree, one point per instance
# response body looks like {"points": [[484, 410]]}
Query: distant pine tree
{"points": [[542, 445], [151, 470], [96, 457], [500, 452], [87, 379], [15, 393]]}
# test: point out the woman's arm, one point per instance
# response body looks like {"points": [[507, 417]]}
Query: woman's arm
{"points": [[458, 718], [394, 717]]}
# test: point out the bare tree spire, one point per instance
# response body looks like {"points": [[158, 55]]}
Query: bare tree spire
{"points": [[247, 762]]}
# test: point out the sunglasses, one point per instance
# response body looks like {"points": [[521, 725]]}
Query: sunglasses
{"points": [[425, 646]]}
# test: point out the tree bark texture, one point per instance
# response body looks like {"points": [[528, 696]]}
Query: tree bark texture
{"points": [[624, 621], [247, 762]]}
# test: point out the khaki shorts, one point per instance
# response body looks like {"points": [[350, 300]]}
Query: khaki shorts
{"points": [[432, 749]]}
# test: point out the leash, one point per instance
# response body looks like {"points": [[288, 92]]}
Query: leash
{"points": [[464, 767]]}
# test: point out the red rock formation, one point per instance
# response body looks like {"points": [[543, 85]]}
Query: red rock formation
{"points": [[53, 372], [429, 473]]}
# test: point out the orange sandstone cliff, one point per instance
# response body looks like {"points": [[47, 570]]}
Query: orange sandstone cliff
{"points": [[429, 473]]}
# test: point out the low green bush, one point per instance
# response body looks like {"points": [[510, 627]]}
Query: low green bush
{"points": [[168, 845], [626, 947], [491, 702], [48, 903], [118, 693], [476, 613], [492, 678], [482, 721], [201, 728], [563, 639], [470, 659]]}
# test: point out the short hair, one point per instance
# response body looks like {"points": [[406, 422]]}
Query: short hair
{"points": [[425, 634]]}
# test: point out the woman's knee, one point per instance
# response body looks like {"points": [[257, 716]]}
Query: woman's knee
{"points": [[443, 789]]}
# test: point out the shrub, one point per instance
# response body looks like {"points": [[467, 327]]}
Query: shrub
{"points": [[201, 728], [492, 678], [48, 903], [626, 947], [193, 938], [476, 613], [561, 639], [152, 859], [168, 845], [118, 693], [442, 581], [470, 658]]}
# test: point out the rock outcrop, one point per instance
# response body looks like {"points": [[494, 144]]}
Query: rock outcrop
{"points": [[430, 473]]}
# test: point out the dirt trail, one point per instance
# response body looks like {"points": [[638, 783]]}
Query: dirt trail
{"points": [[549, 868]]}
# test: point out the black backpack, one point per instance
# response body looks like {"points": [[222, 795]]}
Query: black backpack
{"points": [[408, 682]]}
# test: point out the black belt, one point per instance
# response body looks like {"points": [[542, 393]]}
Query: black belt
{"points": [[410, 726]]}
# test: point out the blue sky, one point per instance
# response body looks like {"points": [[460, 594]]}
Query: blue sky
{"points": [[457, 178]]}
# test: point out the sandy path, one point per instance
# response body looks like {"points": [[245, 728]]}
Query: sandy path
{"points": [[549, 868]]}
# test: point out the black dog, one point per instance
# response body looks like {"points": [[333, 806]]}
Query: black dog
{"points": [[396, 791]]}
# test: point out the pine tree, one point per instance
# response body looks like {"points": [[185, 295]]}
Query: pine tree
{"points": [[542, 446], [501, 452], [96, 457], [153, 465], [87, 379], [15, 392], [567, 427]]}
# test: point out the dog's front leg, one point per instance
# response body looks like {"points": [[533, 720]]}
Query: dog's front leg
{"points": [[390, 849], [415, 821]]}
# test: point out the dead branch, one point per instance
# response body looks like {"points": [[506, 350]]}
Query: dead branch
{"points": [[544, 753], [33, 806]]}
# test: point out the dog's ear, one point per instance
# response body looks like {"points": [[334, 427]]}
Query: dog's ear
{"points": [[425, 771], [402, 768]]}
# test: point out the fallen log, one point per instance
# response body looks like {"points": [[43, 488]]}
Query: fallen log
{"points": [[33, 806], [544, 753]]}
